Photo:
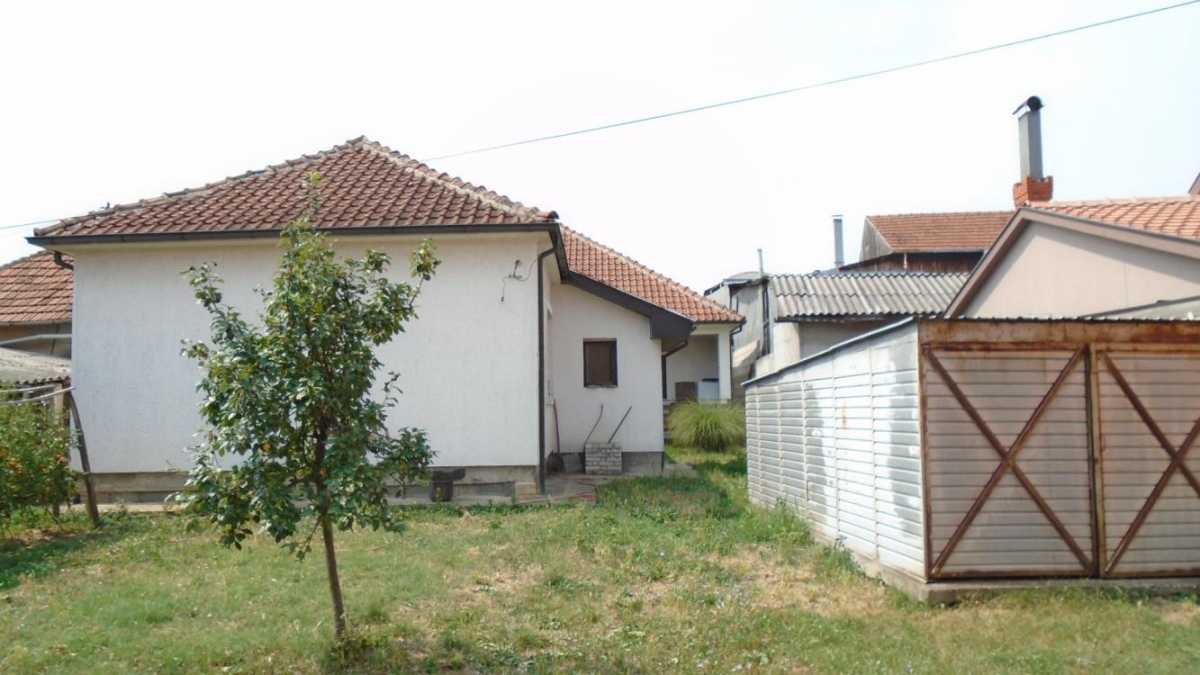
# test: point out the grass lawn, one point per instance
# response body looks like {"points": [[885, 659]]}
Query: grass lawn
{"points": [[661, 575]]}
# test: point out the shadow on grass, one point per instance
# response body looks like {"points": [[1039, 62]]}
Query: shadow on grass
{"points": [[38, 550]]}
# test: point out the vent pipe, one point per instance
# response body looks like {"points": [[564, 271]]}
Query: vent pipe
{"points": [[1029, 125], [1034, 185], [839, 258], [762, 271]]}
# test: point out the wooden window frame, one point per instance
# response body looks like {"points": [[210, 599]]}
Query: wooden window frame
{"points": [[610, 380]]}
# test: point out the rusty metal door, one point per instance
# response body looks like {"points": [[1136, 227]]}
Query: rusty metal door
{"points": [[1007, 462], [1149, 414]]}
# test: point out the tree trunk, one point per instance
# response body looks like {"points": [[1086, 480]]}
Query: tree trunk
{"points": [[335, 585]]}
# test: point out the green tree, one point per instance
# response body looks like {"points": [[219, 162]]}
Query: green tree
{"points": [[289, 401], [34, 447]]}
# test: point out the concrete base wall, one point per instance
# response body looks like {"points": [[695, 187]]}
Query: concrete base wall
{"points": [[152, 487], [642, 463]]}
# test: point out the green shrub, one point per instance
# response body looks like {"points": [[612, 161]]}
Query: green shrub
{"points": [[709, 426], [34, 465]]}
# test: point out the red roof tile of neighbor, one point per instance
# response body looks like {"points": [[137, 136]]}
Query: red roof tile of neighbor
{"points": [[610, 268], [366, 184], [36, 290], [1178, 216], [966, 231]]}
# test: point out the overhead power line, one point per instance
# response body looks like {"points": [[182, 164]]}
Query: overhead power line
{"points": [[53, 220], [817, 85]]}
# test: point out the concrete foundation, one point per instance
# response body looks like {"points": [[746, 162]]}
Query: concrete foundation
{"points": [[153, 487]]}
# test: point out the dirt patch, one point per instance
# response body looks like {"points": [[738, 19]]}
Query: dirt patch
{"points": [[1179, 613], [775, 584]]}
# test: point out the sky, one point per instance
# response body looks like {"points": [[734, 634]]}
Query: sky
{"points": [[115, 102]]}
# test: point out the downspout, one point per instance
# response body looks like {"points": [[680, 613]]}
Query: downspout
{"points": [[541, 400], [664, 366], [58, 260]]}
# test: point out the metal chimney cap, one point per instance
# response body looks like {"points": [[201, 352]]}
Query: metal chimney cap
{"points": [[1033, 104]]}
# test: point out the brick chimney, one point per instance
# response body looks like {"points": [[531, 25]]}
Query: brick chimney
{"points": [[1033, 187]]}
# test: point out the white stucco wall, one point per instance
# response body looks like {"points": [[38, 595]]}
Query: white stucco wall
{"points": [[578, 316], [693, 363], [468, 365], [817, 336], [1054, 272]]}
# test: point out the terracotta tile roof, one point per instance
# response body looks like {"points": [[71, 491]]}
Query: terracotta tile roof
{"points": [[366, 184], [610, 268], [863, 294], [35, 290], [965, 231], [1178, 216]]}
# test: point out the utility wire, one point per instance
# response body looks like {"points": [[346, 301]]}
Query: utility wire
{"points": [[54, 220], [817, 85]]}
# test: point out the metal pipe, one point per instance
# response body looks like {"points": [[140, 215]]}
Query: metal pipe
{"points": [[664, 367], [541, 399], [36, 338], [614, 433]]}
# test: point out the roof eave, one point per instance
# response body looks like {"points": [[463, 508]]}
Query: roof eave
{"points": [[209, 235], [664, 323]]}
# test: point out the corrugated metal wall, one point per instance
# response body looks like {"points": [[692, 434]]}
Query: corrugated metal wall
{"points": [[1050, 448], [1033, 518], [837, 438], [1149, 529]]}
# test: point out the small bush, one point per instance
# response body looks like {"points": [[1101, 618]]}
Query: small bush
{"points": [[709, 426], [34, 469]]}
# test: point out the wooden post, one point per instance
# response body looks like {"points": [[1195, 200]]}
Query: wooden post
{"points": [[73, 413]]}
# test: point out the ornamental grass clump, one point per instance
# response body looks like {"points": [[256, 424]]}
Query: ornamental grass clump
{"points": [[714, 427]]}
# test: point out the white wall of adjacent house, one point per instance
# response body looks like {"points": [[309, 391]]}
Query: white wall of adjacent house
{"points": [[696, 363], [1055, 272], [468, 365], [580, 316]]}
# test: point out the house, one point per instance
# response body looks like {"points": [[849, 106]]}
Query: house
{"points": [[35, 304], [790, 317], [928, 242], [1073, 259], [532, 338]]}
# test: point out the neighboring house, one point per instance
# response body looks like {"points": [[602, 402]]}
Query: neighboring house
{"points": [[530, 337], [928, 242], [806, 314], [35, 305], [1073, 259]]}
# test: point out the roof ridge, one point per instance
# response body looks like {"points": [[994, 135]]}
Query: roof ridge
{"points": [[1117, 201], [942, 213], [712, 304], [457, 184], [872, 273], [171, 197], [418, 168]]}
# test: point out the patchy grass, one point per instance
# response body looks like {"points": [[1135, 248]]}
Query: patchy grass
{"points": [[661, 575]]}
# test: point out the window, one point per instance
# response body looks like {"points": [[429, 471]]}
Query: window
{"points": [[599, 363]]}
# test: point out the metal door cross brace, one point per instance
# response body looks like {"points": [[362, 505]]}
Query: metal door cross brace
{"points": [[1008, 460], [1177, 456]]}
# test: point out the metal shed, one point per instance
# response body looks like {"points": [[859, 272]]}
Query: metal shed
{"points": [[949, 450]]}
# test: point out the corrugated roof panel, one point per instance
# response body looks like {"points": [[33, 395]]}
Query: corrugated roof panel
{"points": [[863, 294]]}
